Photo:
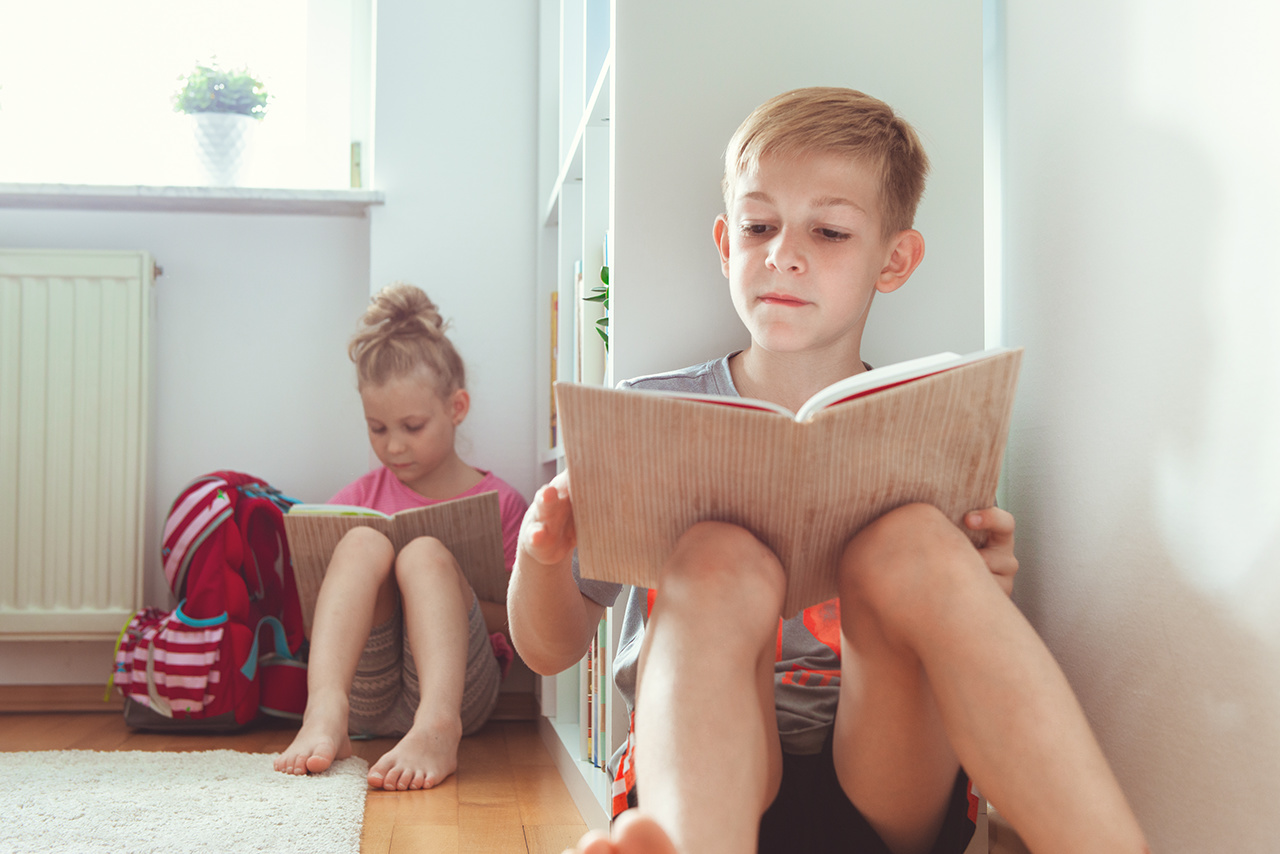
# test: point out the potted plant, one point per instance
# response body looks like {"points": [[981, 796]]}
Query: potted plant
{"points": [[224, 106]]}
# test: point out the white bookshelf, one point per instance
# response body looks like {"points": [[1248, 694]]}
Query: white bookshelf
{"points": [[575, 192]]}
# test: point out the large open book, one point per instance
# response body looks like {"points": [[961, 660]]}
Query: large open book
{"points": [[471, 528], [644, 466]]}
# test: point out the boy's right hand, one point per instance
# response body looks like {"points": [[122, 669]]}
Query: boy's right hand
{"points": [[547, 534]]}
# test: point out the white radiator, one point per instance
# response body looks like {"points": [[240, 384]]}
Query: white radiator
{"points": [[75, 379]]}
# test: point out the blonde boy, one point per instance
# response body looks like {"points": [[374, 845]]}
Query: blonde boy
{"points": [[856, 725]]}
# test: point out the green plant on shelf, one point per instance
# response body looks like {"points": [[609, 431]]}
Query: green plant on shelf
{"points": [[600, 294], [211, 89]]}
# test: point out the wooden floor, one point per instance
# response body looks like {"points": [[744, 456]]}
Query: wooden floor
{"points": [[506, 796]]}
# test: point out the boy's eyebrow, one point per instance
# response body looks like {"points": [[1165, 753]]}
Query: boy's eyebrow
{"points": [[820, 202]]}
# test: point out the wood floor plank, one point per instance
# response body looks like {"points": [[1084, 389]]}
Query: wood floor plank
{"points": [[491, 829], [552, 838], [421, 807], [525, 745], [543, 797], [420, 839]]}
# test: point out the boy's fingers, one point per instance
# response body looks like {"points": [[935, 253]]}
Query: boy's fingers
{"points": [[998, 523]]}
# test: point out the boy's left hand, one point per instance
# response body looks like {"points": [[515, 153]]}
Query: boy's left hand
{"points": [[998, 552]]}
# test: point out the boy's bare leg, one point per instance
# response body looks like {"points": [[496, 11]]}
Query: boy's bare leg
{"points": [[937, 657], [708, 761], [356, 592], [436, 600]]}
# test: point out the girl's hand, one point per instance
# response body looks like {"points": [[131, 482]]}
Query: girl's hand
{"points": [[998, 552], [547, 534]]}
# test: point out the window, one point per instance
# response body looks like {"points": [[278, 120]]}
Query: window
{"points": [[86, 88]]}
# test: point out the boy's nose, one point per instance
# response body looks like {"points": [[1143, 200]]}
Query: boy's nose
{"points": [[784, 254]]}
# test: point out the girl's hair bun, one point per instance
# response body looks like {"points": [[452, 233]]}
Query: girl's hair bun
{"points": [[402, 331]]}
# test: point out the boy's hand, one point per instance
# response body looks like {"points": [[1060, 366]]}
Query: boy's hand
{"points": [[547, 534], [998, 553]]}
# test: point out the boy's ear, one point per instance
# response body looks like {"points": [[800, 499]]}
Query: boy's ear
{"points": [[459, 406], [906, 251], [720, 231]]}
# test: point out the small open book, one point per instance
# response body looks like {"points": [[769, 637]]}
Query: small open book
{"points": [[471, 528], [644, 466]]}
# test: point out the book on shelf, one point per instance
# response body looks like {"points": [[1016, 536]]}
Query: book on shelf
{"points": [[644, 466], [555, 360], [470, 528]]}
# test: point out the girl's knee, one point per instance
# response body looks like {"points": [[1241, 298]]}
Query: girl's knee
{"points": [[426, 554], [366, 546]]}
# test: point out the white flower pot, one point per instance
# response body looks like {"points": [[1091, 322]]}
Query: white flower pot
{"points": [[222, 142]]}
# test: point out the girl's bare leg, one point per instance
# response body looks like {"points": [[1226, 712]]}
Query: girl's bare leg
{"points": [[357, 592], [436, 600]]}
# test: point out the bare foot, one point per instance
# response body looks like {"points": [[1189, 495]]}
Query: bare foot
{"points": [[321, 739], [633, 833], [424, 758]]}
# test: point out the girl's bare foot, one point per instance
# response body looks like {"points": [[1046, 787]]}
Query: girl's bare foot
{"points": [[633, 833], [321, 740], [424, 758]]}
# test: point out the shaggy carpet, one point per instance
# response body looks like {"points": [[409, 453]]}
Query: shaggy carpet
{"points": [[123, 802]]}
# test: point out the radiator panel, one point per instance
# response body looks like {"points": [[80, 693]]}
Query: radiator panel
{"points": [[75, 366]]}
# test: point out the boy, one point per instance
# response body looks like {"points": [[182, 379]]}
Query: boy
{"points": [[854, 725]]}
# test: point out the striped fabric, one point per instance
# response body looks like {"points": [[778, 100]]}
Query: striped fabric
{"points": [[166, 664]]}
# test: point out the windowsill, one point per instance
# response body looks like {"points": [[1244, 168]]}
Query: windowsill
{"points": [[253, 200]]}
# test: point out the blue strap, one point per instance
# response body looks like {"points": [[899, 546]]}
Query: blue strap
{"points": [[197, 624], [250, 669]]}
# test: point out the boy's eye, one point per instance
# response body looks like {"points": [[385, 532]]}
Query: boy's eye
{"points": [[755, 228], [414, 428], [377, 429], [833, 234]]}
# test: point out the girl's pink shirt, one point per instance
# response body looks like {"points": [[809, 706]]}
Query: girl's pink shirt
{"points": [[381, 490]]}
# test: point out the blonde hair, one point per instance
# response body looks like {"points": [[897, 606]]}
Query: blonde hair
{"points": [[401, 333], [838, 121]]}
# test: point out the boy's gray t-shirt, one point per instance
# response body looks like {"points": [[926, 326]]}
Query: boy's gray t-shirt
{"points": [[807, 673]]}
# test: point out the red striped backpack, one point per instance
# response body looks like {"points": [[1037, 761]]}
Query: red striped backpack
{"points": [[233, 647]]}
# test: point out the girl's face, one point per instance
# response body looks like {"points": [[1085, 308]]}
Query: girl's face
{"points": [[411, 426]]}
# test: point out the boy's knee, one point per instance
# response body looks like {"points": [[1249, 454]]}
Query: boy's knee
{"points": [[717, 565], [908, 558]]}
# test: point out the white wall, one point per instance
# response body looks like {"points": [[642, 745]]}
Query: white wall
{"points": [[252, 316], [688, 73], [456, 153], [1141, 262]]}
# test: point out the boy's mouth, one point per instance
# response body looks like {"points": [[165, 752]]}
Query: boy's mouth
{"points": [[782, 299]]}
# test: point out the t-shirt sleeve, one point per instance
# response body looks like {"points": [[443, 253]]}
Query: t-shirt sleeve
{"points": [[601, 592]]}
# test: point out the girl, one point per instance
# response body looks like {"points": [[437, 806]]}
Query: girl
{"points": [[400, 645]]}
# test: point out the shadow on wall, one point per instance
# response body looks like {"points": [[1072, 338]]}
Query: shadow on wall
{"points": [[1137, 463]]}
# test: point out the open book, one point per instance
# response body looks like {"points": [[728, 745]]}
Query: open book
{"points": [[471, 528], [644, 466]]}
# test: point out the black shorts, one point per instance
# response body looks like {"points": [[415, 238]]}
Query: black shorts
{"points": [[812, 813]]}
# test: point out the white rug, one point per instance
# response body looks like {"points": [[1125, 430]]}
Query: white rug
{"points": [[215, 801]]}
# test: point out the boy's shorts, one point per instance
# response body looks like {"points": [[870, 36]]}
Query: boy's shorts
{"points": [[812, 813], [385, 690]]}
